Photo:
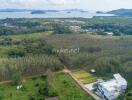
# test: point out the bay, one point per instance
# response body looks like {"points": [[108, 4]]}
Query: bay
{"points": [[61, 14]]}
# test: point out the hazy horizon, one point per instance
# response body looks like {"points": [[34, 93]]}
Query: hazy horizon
{"points": [[94, 5]]}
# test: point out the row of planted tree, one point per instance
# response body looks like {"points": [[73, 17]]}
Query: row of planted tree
{"points": [[27, 66]]}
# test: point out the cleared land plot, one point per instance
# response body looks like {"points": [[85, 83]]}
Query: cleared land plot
{"points": [[84, 77], [67, 89]]}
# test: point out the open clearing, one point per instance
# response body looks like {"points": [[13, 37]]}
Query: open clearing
{"points": [[84, 77]]}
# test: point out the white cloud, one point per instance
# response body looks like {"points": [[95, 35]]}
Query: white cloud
{"points": [[67, 4], [64, 2], [105, 4], [37, 3]]}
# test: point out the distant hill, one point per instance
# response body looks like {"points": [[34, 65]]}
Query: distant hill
{"points": [[38, 12], [75, 10], [14, 10], [121, 12], [29, 10], [100, 12], [42, 11]]}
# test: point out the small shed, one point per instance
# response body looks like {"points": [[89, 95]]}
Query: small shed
{"points": [[92, 71], [109, 33]]}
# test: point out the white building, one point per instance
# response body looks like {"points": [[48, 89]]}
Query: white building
{"points": [[111, 89], [109, 33]]}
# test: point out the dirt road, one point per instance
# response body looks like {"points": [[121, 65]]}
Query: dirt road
{"points": [[81, 85]]}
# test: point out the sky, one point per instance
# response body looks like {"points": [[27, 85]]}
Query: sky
{"points": [[94, 5]]}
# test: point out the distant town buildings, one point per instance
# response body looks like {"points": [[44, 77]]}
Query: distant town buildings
{"points": [[78, 29]]}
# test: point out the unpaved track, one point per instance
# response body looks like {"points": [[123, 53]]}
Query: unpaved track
{"points": [[81, 85]]}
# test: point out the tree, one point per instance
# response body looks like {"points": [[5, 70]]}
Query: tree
{"points": [[16, 77], [60, 29]]}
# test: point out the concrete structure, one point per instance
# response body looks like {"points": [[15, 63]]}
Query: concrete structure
{"points": [[111, 89], [90, 86]]}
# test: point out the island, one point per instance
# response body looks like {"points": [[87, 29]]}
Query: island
{"points": [[38, 12], [121, 12]]}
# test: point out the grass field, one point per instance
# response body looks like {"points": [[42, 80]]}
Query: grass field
{"points": [[84, 77], [9, 91], [64, 86]]}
